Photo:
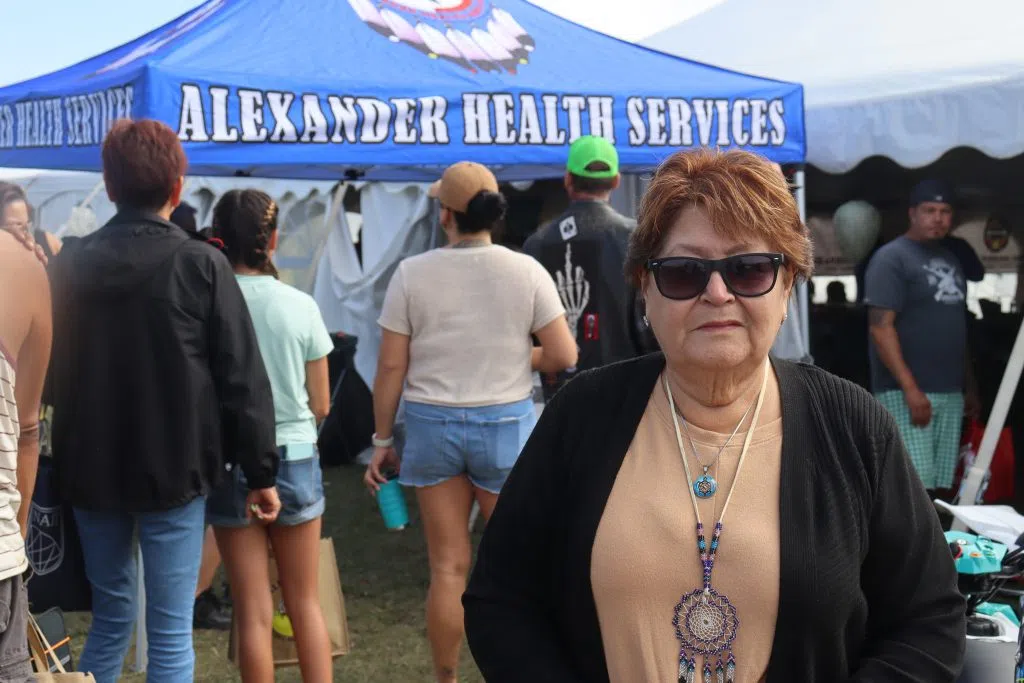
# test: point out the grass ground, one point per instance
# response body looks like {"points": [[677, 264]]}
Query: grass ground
{"points": [[384, 576]]}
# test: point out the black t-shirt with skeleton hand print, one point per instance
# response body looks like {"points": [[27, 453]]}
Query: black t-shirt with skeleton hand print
{"points": [[584, 250]]}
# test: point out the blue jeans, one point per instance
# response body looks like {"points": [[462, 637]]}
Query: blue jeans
{"points": [[172, 545]]}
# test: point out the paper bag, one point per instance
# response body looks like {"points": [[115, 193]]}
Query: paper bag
{"points": [[68, 677], [43, 656], [332, 603]]}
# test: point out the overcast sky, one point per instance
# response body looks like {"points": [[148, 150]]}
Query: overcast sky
{"points": [[40, 36]]}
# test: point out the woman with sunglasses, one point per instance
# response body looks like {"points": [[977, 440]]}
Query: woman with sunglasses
{"points": [[709, 513]]}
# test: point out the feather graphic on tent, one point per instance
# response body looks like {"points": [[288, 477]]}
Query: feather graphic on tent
{"points": [[404, 31], [494, 50], [470, 50], [365, 10], [512, 26], [507, 40], [441, 47]]}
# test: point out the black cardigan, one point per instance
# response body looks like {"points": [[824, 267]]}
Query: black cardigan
{"points": [[867, 588]]}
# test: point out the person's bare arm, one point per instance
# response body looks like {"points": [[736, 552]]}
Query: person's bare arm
{"points": [[33, 360], [557, 350], [29, 242], [392, 365], [882, 324], [318, 387]]}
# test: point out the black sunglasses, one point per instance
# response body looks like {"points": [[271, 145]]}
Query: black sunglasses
{"points": [[746, 275]]}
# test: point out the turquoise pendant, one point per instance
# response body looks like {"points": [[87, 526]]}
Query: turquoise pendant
{"points": [[705, 486]]}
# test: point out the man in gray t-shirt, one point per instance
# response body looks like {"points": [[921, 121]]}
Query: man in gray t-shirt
{"points": [[917, 293]]}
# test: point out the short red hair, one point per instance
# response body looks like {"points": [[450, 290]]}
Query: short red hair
{"points": [[745, 195], [142, 161]]}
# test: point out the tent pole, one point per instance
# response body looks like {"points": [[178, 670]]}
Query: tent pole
{"points": [[803, 305], [996, 421], [141, 639]]}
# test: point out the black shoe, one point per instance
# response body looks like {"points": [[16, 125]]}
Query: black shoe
{"points": [[225, 597], [210, 613]]}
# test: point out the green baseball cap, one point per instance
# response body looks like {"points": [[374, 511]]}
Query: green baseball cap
{"points": [[588, 149]]}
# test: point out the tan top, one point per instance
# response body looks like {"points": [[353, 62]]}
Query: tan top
{"points": [[469, 313], [645, 552]]}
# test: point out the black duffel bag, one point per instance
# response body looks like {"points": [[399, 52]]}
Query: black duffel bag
{"points": [[54, 549], [348, 428]]}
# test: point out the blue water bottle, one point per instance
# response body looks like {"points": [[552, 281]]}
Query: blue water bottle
{"points": [[391, 502]]}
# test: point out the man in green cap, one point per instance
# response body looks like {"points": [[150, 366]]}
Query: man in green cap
{"points": [[584, 249]]}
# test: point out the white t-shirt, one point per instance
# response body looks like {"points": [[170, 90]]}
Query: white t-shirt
{"points": [[13, 560], [469, 313]]}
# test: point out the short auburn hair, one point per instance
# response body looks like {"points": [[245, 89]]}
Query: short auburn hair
{"points": [[744, 194], [142, 161]]}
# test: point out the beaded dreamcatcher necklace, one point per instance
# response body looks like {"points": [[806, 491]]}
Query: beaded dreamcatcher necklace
{"points": [[705, 621]]}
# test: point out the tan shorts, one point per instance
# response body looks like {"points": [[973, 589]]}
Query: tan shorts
{"points": [[15, 663]]}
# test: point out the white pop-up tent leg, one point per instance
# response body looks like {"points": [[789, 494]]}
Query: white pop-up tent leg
{"points": [[793, 341], [996, 421], [141, 643], [803, 304]]}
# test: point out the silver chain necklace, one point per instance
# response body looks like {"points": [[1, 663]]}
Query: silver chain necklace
{"points": [[706, 485]]}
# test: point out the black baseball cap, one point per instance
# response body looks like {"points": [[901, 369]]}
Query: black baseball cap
{"points": [[931, 191], [184, 216]]}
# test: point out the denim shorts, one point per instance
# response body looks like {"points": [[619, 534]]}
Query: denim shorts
{"points": [[300, 485], [442, 442]]}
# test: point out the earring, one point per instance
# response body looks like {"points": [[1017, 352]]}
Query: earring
{"points": [[647, 323]]}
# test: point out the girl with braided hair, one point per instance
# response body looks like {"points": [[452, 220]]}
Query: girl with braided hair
{"points": [[294, 343]]}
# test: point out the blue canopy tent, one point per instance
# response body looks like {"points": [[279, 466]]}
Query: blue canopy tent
{"points": [[392, 90]]}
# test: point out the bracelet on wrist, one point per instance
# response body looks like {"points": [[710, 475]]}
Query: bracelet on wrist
{"points": [[383, 443]]}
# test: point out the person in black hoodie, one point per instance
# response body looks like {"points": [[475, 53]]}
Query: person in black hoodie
{"points": [[158, 386], [584, 250]]}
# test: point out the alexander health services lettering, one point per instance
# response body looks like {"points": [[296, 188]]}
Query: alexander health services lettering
{"points": [[70, 121], [222, 115]]}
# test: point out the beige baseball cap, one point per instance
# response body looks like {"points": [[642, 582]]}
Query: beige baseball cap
{"points": [[461, 182]]}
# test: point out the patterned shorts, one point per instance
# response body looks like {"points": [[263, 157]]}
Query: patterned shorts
{"points": [[934, 449]]}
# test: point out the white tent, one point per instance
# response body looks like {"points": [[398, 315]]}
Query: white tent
{"points": [[75, 203], [908, 80]]}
